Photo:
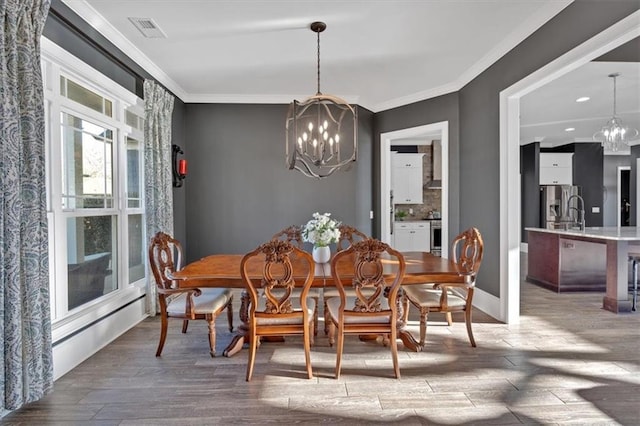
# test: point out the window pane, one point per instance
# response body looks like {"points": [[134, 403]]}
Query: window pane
{"points": [[136, 248], [91, 258], [87, 174], [134, 177], [86, 97]]}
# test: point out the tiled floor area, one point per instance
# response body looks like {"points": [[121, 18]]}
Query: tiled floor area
{"points": [[567, 362]]}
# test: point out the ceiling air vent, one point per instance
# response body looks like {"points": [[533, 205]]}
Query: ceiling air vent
{"points": [[148, 28]]}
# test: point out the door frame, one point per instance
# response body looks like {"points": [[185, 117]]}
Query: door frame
{"points": [[612, 37], [434, 130], [618, 193]]}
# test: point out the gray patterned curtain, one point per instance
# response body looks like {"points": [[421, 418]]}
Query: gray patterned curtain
{"points": [[158, 107], [26, 365]]}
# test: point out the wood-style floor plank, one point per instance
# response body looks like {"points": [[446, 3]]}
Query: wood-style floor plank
{"points": [[567, 362]]}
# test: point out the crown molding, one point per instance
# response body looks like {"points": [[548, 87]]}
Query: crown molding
{"points": [[212, 98], [85, 11], [96, 20], [531, 25]]}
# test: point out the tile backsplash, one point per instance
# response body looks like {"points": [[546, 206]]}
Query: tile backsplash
{"points": [[431, 198]]}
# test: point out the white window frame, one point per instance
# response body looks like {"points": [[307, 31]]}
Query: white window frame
{"points": [[55, 62]]}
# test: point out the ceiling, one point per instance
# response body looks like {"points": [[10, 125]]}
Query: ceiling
{"points": [[546, 112], [378, 54]]}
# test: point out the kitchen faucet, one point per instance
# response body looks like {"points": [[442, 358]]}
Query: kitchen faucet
{"points": [[580, 218]]}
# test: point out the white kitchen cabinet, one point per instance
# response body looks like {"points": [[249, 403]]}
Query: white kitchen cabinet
{"points": [[556, 168], [407, 178], [412, 236]]}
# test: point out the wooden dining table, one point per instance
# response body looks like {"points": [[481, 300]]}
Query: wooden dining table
{"points": [[223, 270]]}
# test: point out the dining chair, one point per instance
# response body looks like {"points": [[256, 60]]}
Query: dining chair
{"points": [[293, 234], [374, 307], [466, 251], [348, 235], [273, 308], [165, 255]]}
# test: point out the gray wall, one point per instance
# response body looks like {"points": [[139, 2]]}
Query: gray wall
{"points": [[240, 191], [529, 188], [610, 182], [480, 121], [441, 108]]}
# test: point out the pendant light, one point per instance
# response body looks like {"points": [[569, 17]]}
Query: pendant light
{"points": [[614, 134], [322, 131]]}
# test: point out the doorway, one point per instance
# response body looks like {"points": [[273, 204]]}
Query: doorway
{"points": [[435, 130], [623, 196], [614, 36]]}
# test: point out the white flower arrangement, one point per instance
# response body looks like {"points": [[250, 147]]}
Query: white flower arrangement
{"points": [[321, 230]]}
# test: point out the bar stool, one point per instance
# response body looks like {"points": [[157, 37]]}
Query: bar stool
{"points": [[634, 258]]}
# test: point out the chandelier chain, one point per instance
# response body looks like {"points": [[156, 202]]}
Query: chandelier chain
{"points": [[319, 93], [614, 95]]}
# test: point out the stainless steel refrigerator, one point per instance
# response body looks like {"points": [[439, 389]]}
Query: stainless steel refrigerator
{"points": [[559, 206]]}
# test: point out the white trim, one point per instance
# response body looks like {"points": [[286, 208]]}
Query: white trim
{"points": [[80, 69], [93, 311], [440, 128], [614, 36], [524, 247], [487, 303], [253, 99], [70, 353], [618, 198], [417, 97], [104, 27]]}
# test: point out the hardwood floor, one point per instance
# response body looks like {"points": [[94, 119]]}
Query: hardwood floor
{"points": [[568, 361]]}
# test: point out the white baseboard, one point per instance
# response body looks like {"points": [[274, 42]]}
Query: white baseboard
{"points": [[73, 351], [487, 303]]}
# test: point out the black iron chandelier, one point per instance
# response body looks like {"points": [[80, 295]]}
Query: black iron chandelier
{"points": [[322, 131]]}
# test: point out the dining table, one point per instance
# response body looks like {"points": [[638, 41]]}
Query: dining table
{"points": [[223, 271]]}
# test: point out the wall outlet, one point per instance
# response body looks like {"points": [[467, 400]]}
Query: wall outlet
{"points": [[595, 209], [370, 214], [410, 211]]}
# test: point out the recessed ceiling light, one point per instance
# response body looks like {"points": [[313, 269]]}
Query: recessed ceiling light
{"points": [[583, 99], [569, 129]]}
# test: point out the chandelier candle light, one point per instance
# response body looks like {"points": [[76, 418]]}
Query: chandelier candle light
{"points": [[322, 131], [614, 133], [321, 231]]}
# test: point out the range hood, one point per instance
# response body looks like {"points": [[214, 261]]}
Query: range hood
{"points": [[436, 166]]}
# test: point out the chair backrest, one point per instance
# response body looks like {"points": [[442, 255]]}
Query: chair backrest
{"points": [[165, 255], [282, 262], [467, 250], [349, 235], [361, 267], [292, 234]]}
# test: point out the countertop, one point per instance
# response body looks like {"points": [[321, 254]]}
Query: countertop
{"points": [[624, 233]]}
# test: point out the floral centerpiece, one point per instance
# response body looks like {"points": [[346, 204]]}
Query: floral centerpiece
{"points": [[321, 231]]}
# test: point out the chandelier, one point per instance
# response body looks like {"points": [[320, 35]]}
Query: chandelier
{"points": [[322, 131], [614, 133]]}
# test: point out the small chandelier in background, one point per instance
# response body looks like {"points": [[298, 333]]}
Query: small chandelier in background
{"points": [[614, 133], [322, 131]]}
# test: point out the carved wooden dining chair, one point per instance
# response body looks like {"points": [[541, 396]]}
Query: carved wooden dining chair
{"points": [[293, 234], [466, 251], [374, 307], [165, 255], [348, 235], [273, 308]]}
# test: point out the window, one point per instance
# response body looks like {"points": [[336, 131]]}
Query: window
{"points": [[94, 190]]}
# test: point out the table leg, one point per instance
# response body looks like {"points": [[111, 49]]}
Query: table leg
{"points": [[409, 341], [242, 336], [616, 298]]}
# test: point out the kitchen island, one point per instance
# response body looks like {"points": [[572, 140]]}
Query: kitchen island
{"points": [[594, 259]]}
